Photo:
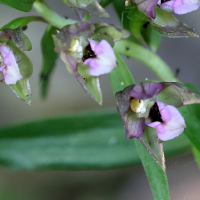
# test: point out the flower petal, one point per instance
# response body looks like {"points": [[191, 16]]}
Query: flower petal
{"points": [[123, 99], [182, 6], [147, 7], [173, 123], [146, 90], [10, 70], [134, 126], [105, 60]]}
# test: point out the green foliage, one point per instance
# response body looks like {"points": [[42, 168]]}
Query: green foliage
{"points": [[120, 77], [22, 21], [191, 115], [157, 177], [22, 5], [93, 140], [49, 57]]}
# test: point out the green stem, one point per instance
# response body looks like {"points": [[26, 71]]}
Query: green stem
{"points": [[50, 16], [154, 62]]}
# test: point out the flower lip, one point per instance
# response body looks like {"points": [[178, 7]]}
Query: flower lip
{"points": [[103, 59]]}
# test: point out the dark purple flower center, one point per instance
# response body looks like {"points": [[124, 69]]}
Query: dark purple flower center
{"points": [[88, 53], [163, 1], [154, 114]]}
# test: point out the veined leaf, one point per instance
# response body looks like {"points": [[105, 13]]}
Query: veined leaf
{"points": [[93, 140]]}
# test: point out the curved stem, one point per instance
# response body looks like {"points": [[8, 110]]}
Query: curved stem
{"points": [[50, 16], [154, 62]]}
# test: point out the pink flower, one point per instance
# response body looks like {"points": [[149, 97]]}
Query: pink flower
{"points": [[9, 66], [103, 59], [180, 6], [171, 123]]}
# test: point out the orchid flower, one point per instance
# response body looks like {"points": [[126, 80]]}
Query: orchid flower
{"points": [[155, 105], [177, 6], [103, 59], [87, 51], [9, 66]]}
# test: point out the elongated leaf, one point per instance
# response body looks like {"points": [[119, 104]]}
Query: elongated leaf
{"points": [[157, 177], [120, 77], [22, 21], [192, 120], [49, 57], [22, 5], [93, 140]]}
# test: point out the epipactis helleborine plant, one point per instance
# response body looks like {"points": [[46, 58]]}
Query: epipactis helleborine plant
{"points": [[177, 6], [151, 104]]}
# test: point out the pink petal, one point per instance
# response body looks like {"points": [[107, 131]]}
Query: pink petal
{"points": [[105, 60], [173, 123], [10, 70]]}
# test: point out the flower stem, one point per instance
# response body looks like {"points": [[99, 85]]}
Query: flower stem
{"points": [[50, 16], [154, 62]]}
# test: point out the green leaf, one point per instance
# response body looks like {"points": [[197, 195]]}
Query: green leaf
{"points": [[105, 3], [120, 77], [167, 25], [22, 21], [157, 177], [49, 57], [23, 5], [151, 37], [192, 119], [22, 87], [92, 140]]}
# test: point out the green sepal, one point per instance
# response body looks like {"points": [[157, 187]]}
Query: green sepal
{"points": [[167, 25], [153, 145], [49, 57], [22, 87], [103, 31], [91, 7], [22, 5], [19, 38], [90, 83]]}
